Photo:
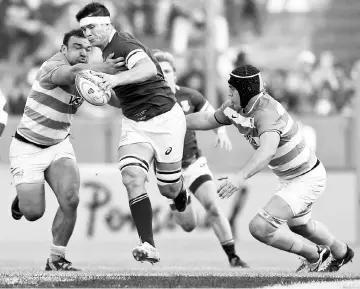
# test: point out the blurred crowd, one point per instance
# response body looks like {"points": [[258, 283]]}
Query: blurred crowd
{"points": [[32, 30]]}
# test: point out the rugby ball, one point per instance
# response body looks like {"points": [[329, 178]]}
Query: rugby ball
{"points": [[86, 83]]}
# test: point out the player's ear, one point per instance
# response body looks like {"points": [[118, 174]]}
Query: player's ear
{"points": [[63, 48]]}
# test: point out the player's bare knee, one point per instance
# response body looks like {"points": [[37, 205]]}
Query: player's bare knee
{"points": [[212, 210], [71, 201], [189, 226], [263, 226], [170, 191], [133, 180], [32, 214]]}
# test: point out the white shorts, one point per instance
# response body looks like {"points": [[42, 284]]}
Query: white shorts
{"points": [[301, 192], [29, 162], [165, 133], [196, 174]]}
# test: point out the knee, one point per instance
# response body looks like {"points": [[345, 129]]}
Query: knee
{"points": [[170, 191], [189, 227], [32, 213], [212, 210], [261, 229], [72, 200], [133, 180]]}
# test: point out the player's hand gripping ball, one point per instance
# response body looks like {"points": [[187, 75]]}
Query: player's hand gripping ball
{"points": [[86, 82]]}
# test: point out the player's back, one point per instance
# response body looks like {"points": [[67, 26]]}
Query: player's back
{"points": [[49, 108], [139, 101]]}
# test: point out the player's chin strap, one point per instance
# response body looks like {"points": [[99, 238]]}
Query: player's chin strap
{"points": [[94, 20]]}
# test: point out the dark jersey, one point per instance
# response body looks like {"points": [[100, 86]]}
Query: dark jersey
{"points": [[139, 101], [190, 101]]}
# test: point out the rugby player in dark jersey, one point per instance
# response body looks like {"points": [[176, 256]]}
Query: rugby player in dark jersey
{"points": [[197, 175], [153, 126]]}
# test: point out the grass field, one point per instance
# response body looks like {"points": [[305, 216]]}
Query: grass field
{"points": [[193, 260]]}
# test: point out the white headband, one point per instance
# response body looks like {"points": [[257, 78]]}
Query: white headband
{"points": [[94, 20]]}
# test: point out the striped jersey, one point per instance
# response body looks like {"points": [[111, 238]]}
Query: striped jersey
{"points": [[49, 108], [293, 156]]}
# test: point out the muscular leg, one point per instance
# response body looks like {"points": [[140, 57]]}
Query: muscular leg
{"points": [[64, 179], [266, 229], [134, 162], [319, 234]]}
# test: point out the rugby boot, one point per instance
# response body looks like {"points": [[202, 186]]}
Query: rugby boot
{"points": [[235, 261], [320, 264], [60, 264], [336, 264], [146, 252], [15, 210]]}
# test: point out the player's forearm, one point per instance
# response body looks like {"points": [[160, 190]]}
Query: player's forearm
{"points": [[259, 160], [136, 74], [114, 100], [201, 121]]}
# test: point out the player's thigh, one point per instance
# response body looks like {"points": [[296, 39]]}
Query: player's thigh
{"points": [[168, 137], [64, 178], [207, 196], [27, 165]]}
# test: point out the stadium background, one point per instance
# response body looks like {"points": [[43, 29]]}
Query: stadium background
{"points": [[309, 54]]}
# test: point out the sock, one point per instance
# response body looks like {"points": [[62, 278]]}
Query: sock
{"points": [[229, 248], [56, 252], [142, 214]]}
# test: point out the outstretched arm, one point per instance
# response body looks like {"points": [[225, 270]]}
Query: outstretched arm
{"points": [[202, 120], [65, 74]]}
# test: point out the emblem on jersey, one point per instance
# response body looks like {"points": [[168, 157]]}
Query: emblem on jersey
{"points": [[185, 105], [238, 118], [254, 141], [168, 151], [76, 100]]}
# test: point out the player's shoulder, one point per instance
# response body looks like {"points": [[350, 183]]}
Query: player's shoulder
{"points": [[57, 59]]}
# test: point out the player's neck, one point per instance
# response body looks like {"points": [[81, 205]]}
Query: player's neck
{"points": [[250, 106]]}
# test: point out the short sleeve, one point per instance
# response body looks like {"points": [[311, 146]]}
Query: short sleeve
{"points": [[267, 121], [132, 52], [220, 115], [48, 69]]}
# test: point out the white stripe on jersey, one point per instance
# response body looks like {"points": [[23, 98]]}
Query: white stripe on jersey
{"points": [[57, 92], [300, 159], [288, 126], [284, 149], [135, 56], [48, 111], [42, 130]]}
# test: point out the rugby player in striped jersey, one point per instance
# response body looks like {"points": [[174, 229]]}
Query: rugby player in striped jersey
{"points": [[41, 149], [278, 143]]}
